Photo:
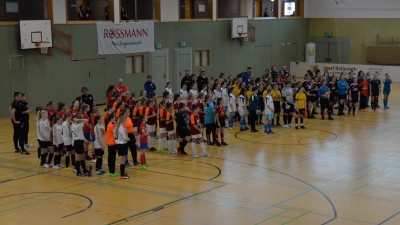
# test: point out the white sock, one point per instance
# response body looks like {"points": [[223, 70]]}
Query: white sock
{"points": [[170, 143], [160, 144], [203, 148], [194, 148], [150, 141], [172, 146], [137, 140], [164, 142]]}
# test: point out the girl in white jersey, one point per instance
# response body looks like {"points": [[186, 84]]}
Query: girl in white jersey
{"points": [[242, 109], [67, 139], [78, 140], [184, 95], [204, 89], [121, 139], [44, 130], [194, 91], [231, 107], [168, 89], [57, 141], [225, 95], [217, 93], [269, 111], [99, 143]]}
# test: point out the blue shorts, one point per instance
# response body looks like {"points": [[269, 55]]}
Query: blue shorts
{"points": [[269, 116], [86, 135], [386, 92], [144, 146], [93, 138]]}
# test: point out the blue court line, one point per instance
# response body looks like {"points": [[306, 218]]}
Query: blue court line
{"points": [[388, 218], [328, 182]]}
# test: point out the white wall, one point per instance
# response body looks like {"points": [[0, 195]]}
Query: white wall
{"points": [[169, 10], [352, 9]]}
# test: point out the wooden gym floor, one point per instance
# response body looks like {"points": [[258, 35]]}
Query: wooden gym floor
{"points": [[343, 172]]}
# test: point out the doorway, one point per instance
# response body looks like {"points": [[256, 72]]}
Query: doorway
{"points": [[159, 69], [183, 61], [91, 73]]}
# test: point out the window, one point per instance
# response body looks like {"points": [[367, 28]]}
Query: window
{"points": [[134, 64], [202, 58]]}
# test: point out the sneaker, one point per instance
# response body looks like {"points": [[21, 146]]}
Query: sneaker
{"points": [[17, 150], [271, 132], [88, 158], [229, 128], [285, 126], [290, 125], [279, 125], [161, 151], [46, 165], [61, 166], [152, 149], [209, 143], [218, 144], [155, 137], [224, 143], [143, 167], [68, 168], [29, 145], [206, 155], [38, 160], [253, 131], [75, 171], [98, 172], [297, 127], [330, 118], [81, 175], [302, 127], [172, 152], [184, 153], [113, 174], [128, 164], [51, 165], [195, 156], [56, 167], [242, 129], [88, 174], [247, 128], [136, 163], [125, 176], [166, 149], [333, 114]]}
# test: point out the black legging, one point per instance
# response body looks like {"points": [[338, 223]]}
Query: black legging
{"points": [[132, 147], [363, 101], [325, 105], [252, 119], [112, 154], [210, 129], [19, 135]]}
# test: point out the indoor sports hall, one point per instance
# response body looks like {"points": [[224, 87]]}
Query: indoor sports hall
{"points": [[343, 171]]}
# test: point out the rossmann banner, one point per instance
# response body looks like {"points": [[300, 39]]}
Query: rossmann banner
{"points": [[125, 38]]}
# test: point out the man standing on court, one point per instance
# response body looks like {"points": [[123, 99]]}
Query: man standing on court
{"points": [[201, 79], [18, 124], [87, 99], [246, 75], [123, 90], [149, 86], [187, 80]]}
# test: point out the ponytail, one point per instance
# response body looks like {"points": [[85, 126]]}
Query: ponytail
{"points": [[121, 120], [109, 118], [161, 103], [96, 120]]}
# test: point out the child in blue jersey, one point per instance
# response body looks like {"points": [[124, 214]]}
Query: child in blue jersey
{"points": [[342, 94], [386, 90], [323, 93], [375, 90]]}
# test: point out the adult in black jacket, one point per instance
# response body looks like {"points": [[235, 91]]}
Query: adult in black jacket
{"points": [[187, 80], [202, 79], [182, 126]]}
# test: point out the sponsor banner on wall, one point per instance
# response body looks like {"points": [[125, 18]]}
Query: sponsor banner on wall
{"points": [[125, 38], [299, 69]]}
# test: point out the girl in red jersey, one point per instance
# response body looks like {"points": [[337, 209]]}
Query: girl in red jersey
{"points": [[151, 123], [109, 110], [169, 128], [109, 93], [364, 93], [74, 110], [162, 141], [196, 132], [131, 99], [189, 103], [220, 117], [176, 102], [143, 141], [86, 129], [200, 104], [61, 109], [112, 146], [51, 112]]}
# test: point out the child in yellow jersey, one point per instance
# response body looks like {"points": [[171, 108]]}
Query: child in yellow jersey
{"points": [[276, 97], [248, 94], [300, 107]]}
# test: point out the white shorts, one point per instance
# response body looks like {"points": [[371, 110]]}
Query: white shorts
{"points": [[150, 128], [171, 132], [162, 130], [197, 136]]}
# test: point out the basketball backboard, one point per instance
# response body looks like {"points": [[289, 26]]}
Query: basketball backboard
{"points": [[33, 32], [239, 27]]}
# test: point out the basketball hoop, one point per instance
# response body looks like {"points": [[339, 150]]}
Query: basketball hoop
{"points": [[43, 50], [242, 35]]}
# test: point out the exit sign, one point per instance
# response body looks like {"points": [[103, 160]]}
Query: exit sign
{"points": [[328, 34]]}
